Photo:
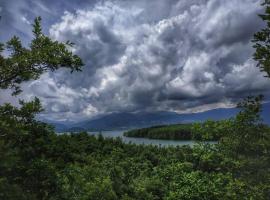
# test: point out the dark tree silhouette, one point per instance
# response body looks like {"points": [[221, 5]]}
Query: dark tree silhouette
{"points": [[262, 42]]}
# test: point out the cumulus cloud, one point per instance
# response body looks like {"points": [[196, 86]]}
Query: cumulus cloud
{"points": [[183, 56]]}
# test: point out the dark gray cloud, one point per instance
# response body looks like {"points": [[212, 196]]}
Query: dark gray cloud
{"points": [[183, 56]]}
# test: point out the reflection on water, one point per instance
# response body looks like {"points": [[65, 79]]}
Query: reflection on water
{"points": [[115, 134]]}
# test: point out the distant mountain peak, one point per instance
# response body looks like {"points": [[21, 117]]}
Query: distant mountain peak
{"points": [[125, 120]]}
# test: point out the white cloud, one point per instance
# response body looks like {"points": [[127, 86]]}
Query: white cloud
{"points": [[186, 56], [25, 20]]}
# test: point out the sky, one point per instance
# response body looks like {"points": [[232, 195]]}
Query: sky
{"points": [[145, 55]]}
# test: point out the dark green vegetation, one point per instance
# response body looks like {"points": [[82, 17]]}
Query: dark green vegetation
{"points": [[37, 164], [169, 132], [25, 64], [262, 42], [176, 132]]}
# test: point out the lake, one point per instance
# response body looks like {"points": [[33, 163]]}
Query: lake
{"points": [[146, 141]]}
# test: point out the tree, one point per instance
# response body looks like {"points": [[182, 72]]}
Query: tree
{"points": [[25, 170], [246, 129], [262, 42], [43, 54]]}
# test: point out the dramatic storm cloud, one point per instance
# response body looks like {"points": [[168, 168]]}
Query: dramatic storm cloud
{"points": [[183, 56]]}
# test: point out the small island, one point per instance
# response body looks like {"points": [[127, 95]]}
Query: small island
{"points": [[172, 132]]}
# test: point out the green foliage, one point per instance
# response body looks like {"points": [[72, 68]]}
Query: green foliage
{"points": [[245, 127], [42, 165], [25, 170], [210, 130], [245, 145], [261, 42], [24, 142], [171, 132], [43, 54], [85, 183], [179, 132], [248, 142]]}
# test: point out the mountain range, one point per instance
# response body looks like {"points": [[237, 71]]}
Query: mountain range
{"points": [[118, 121]]}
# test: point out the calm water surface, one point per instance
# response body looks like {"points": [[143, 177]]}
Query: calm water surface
{"points": [[115, 134]]}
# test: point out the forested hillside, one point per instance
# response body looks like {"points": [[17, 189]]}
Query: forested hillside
{"points": [[180, 132], [170, 132]]}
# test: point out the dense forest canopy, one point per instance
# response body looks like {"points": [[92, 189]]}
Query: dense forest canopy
{"points": [[180, 132], [36, 163]]}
